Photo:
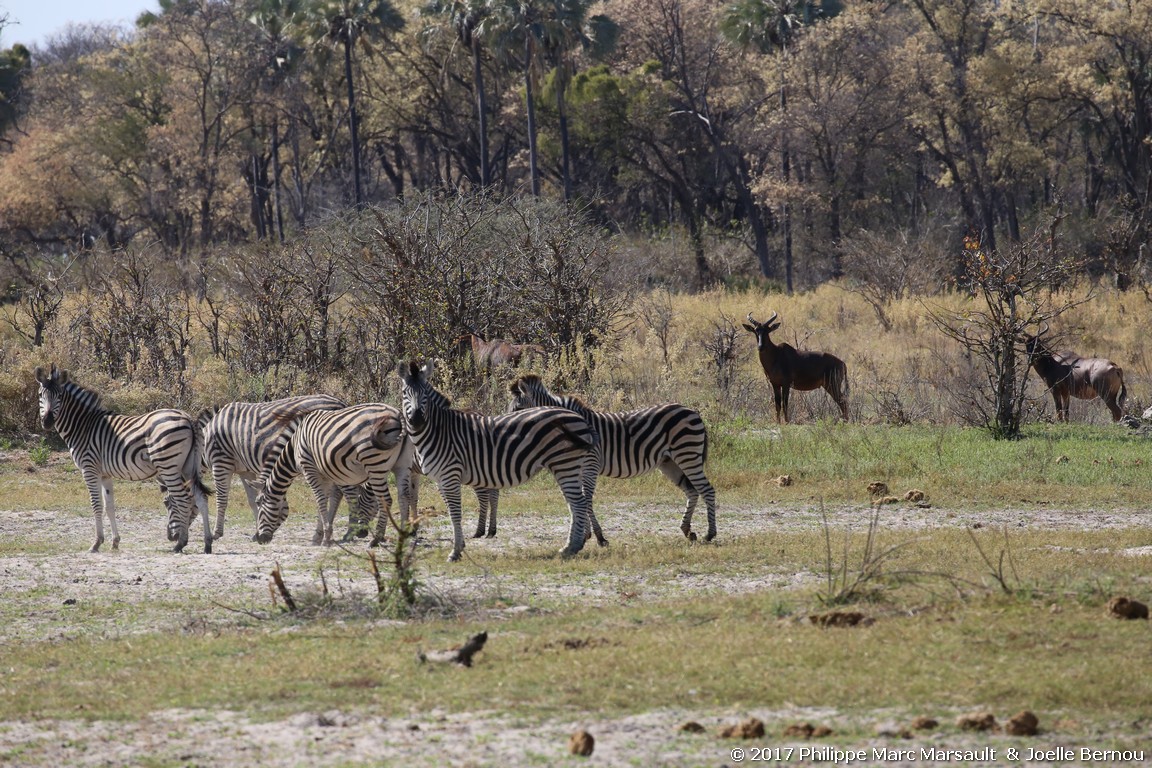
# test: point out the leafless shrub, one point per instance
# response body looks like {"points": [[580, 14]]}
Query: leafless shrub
{"points": [[133, 320], [882, 270], [721, 346]]}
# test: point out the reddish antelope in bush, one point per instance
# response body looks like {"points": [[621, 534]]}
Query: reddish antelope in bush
{"points": [[490, 354], [788, 368], [1068, 375]]}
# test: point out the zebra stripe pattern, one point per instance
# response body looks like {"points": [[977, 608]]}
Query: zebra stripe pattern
{"points": [[490, 452], [345, 448], [163, 444], [669, 437], [243, 438]]}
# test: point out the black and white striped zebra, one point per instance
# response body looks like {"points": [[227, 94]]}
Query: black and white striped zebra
{"points": [[458, 448], [163, 444], [339, 449], [669, 437], [243, 438]]}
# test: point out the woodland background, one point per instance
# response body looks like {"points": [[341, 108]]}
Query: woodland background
{"points": [[276, 195]]}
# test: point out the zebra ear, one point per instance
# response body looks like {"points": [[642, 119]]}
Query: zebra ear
{"points": [[39, 372], [62, 377], [429, 369]]}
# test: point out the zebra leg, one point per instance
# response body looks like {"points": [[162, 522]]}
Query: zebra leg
{"points": [[362, 506], [96, 491], [672, 471], [450, 490], [222, 480], [369, 507], [493, 501], [593, 525], [327, 500], [579, 506], [201, 502], [483, 501], [380, 492]]}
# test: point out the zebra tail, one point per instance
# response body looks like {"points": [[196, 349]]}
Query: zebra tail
{"points": [[587, 443], [387, 433], [198, 460]]}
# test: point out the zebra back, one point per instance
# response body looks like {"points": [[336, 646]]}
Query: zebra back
{"points": [[247, 436], [489, 451], [630, 442]]}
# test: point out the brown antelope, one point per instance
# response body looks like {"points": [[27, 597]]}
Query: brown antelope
{"points": [[1068, 375], [492, 354], [788, 368]]}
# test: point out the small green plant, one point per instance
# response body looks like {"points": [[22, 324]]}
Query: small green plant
{"points": [[398, 591], [40, 453]]}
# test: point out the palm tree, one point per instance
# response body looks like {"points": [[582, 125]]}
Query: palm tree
{"points": [[346, 23], [466, 17], [568, 28], [510, 24]]}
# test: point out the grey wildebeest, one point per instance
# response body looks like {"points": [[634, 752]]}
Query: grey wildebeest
{"points": [[788, 368], [491, 354], [1068, 375]]}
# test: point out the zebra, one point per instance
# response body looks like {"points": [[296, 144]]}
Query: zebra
{"points": [[163, 444], [490, 452], [670, 437], [345, 448], [242, 438]]}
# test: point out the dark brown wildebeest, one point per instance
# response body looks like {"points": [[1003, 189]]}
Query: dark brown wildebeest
{"points": [[788, 368], [1068, 375], [492, 354]]}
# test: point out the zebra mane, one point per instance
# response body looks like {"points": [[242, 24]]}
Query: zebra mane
{"points": [[85, 397], [533, 382]]}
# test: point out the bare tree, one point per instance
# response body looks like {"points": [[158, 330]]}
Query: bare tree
{"points": [[1012, 290]]}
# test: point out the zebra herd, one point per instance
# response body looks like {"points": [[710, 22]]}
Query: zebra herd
{"points": [[348, 451]]}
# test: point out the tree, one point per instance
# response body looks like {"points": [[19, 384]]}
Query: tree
{"points": [[512, 24], [1012, 291], [466, 17], [568, 28], [281, 55], [348, 23], [771, 26]]}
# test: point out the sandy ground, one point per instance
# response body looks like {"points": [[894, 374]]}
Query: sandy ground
{"points": [[145, 570]]}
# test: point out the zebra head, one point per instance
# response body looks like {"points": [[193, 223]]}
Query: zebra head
{"points": [[271, 512], [417, 393], [50, 386], [528, 392]]}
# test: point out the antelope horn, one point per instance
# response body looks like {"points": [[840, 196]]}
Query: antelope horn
{"points": [[1043, 330], [751, 320], [769, 320]]}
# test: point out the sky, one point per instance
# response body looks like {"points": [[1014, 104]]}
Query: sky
{"points": [[32, 22]]}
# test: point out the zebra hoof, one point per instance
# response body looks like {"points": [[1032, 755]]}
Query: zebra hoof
{"points": [[376, 541], [208, 547], [602, 541], [711, 535], [492, 534], [454, 557], [95, 547], [217, 535], [479, 534], [179, 547], [569, 552]]}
